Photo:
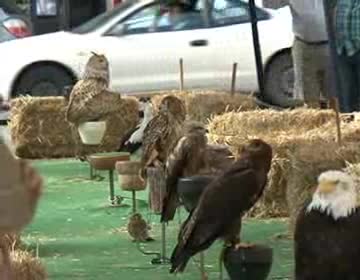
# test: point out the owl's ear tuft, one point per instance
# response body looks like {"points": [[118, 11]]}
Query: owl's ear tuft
{"points": [[94, 53]]}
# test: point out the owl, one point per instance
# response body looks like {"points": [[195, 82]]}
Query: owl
{"points": [[162, 133], [90, 98], [138, 229], [187, 159]]}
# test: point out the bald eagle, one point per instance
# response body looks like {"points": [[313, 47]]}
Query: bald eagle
{"points": [[327, 231], [222, 204]]}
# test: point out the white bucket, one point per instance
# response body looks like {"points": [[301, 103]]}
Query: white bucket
{"points": [[92, 133]]}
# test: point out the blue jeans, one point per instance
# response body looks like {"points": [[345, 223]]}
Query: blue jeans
{"points": [[349, 78]]}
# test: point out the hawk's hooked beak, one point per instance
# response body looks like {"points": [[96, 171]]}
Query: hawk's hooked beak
{"points": [[326, 187]]}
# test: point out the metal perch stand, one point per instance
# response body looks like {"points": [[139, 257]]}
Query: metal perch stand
{"points": [[156, 180]]}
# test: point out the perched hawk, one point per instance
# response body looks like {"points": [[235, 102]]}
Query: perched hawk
{"points": [[186, 160], [327, 231], [217, 159], [90, 98], [162, 133], [222, 204], [132, 141]]}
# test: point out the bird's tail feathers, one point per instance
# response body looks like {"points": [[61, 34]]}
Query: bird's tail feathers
{"points": [[179, 260], [169, 208]]}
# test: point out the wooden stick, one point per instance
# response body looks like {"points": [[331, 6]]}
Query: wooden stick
{"points": [[233, 78], [334, 104], [181, 75]]}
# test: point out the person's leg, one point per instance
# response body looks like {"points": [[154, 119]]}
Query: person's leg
{"points": [[346, 80], [312, 75], [297, 56], [356, 89], [323, 69]]}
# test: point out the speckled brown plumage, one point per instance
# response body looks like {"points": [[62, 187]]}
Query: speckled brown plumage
{"points": [[138, 229], [162, 133], [187, 158], [90, 98]]}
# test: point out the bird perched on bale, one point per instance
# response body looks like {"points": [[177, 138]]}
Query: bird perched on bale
{"points": [[223, 203], [187, 158], [90, 98], [138, 229], [132, 141], [162, 133], [327, 231]]}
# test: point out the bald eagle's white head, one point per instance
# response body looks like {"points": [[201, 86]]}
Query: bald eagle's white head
{"points": [[335, 194]]}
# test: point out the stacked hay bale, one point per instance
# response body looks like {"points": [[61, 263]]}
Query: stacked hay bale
{"points": [[11, 241], [304, 143], [24, 266], [201, 105], [39, 129]]}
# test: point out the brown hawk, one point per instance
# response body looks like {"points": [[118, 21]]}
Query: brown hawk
{"points": [[162, 133], [186, 159], [90, 98], [234, 192]]}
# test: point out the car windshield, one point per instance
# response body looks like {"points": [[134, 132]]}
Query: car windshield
{"points": [[99, 20], [9, 7]]}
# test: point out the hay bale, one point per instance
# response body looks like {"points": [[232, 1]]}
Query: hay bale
{"points": [[201, 105], [286, 131], [39, 129], [26, 267], [11, 241]]}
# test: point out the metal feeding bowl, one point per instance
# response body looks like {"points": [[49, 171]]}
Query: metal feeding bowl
{"points": [[191, 188], [252, 263]]}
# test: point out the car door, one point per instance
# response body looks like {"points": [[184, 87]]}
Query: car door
{"points": [[232, 42], [147, 59]]}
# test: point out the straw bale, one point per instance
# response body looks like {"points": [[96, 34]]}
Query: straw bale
{"points": [[11, 241], [39, 129], [26, 267], [201, 105], [287, 132]]}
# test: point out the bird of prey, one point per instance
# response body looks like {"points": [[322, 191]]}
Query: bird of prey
{"points": [[90, 98], [162, 133], [187, 158], [222, 204], [138, 229], [132, 141], [327, 231]]}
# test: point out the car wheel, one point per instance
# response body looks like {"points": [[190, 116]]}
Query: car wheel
{"points": [[43, 80], [279, 81]]}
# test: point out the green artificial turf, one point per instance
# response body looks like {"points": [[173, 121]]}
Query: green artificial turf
{"points": [[78, 236]]}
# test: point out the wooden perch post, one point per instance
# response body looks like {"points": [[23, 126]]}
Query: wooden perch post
{"points": [[334, 104], [181, 75], [233, 79]]}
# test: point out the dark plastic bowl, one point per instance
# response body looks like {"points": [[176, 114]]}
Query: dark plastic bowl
{"points": [[249, 263], [191, 188]]}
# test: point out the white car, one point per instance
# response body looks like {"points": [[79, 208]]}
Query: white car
{"points": [[144, 53]]}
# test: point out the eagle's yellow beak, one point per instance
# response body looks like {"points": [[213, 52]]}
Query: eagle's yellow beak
{"points": [[326, 187]]}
